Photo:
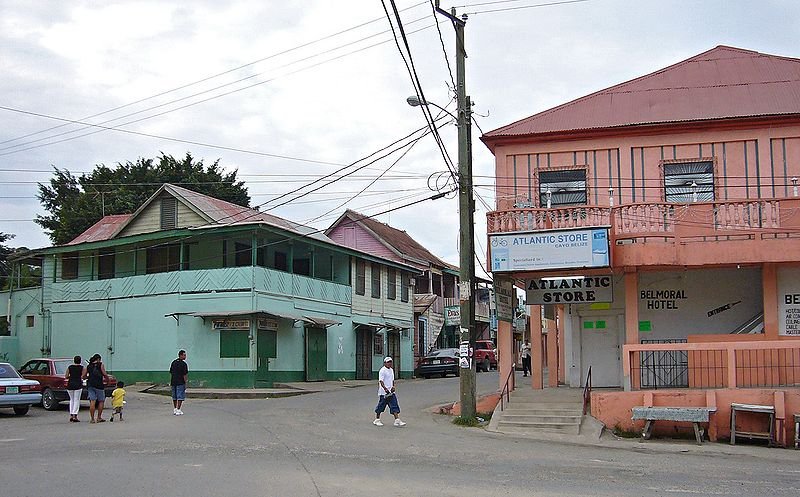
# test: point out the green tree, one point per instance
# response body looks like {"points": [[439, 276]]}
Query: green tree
{"points": [[76, 203], [27, 275]]}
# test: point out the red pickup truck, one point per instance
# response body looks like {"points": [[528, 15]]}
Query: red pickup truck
{"points": [[484, 355]]}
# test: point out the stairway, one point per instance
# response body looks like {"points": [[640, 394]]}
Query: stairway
{"points": [[548, 413]]}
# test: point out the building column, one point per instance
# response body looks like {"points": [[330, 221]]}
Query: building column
{"points": [[537, 359], [561, 328], [769, 283], [505, 353], [631, 281], [553, 364]]}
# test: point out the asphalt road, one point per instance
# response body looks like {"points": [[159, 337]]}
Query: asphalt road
{"points": [[324, 444]]}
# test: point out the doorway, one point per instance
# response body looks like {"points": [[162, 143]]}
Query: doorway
{"points": [[266, 347], [364, 353], [393, 350], [600, 349], [316, 354]]}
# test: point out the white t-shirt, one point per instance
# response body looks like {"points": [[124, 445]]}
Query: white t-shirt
{"points": [[386, 375], [526, 351]]}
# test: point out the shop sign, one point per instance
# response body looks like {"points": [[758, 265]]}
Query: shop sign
{"points": [[452, 315], [570, 290], [563, 249], [504, 299], [268, 324], [231, 324]]}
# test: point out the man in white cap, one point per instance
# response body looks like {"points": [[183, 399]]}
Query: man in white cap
{"points": [[387, 395]]}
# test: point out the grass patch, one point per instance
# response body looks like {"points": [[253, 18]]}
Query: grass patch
{"points": [[623, 433], [466, 421]]}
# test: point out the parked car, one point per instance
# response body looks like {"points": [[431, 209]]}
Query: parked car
{"points": [[439, 362], [50, 373], [484, 355], [16, 391]]}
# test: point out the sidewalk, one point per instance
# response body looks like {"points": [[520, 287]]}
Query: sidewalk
{"points": [[280, 389]]}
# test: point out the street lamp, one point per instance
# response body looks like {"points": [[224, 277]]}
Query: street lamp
{"points": [[466, 209]]}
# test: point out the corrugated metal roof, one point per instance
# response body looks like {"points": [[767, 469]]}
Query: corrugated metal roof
{"points": [[103, 229], [400, 240], [722, 83]]}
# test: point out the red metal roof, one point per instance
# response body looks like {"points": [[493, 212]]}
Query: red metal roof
{"points": [[722, 83], [103, 229]]}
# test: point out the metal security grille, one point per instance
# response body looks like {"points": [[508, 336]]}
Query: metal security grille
{"points": [[665, 368], [566, 187], [689, 182]]}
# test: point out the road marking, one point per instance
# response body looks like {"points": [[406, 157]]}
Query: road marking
{"points": [[12, 439]]}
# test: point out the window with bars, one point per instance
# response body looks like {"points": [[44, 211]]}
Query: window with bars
{"points": [[105, 263], [69, 265], [169, 213], [565, 187], [686, 182]]}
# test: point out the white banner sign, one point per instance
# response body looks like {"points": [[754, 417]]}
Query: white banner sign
{"points": [[504, 298], [452, 315], [570, 290], [549, 250]]}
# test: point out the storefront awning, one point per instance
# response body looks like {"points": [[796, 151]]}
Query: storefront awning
{"points": [[379, 323], [318, 321]]}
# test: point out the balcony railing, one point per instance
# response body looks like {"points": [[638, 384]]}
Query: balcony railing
{"points": [[205, 280], [763, 364], [735, 219]]}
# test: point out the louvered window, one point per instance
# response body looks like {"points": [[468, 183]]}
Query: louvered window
{"points": [[169, 213], [361, 277], [376, 280], [566, 187], [391, 283], [686, 182]]}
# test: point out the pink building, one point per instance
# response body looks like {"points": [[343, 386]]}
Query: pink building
{"points": [[661, 218]]}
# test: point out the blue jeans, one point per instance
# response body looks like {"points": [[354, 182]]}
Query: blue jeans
{"points": [[96, 394], [179, 392], [391, 401]]}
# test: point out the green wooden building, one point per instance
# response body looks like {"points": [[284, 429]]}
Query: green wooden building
{"points": [[254, 299]]}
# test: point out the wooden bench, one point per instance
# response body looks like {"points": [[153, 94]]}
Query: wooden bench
{"points": [[769, 435], [694, 415]]}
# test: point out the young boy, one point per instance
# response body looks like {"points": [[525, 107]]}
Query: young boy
{"points": [[118, 400]]}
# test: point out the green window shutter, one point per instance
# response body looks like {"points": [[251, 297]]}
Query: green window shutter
{"points": [[234, 344]]}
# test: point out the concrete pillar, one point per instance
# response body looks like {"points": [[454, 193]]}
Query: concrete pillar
{"points": [[552, 357], [537, 359], [505, 352], [769, 282], [631, 281], [561, 322]]}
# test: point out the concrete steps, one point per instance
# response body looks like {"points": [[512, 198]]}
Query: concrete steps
{"points": [[543, 413]]}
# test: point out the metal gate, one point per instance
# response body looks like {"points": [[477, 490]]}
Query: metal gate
{"points": [[364, 353], [665, 368]]}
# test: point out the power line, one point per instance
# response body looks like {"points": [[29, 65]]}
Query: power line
{"points": [[487, 11], [208, 78]]}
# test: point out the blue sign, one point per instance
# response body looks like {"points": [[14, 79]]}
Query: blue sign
{"points": [[563, 249]]}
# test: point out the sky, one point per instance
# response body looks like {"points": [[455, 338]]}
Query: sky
{"points": [[291, 92]]}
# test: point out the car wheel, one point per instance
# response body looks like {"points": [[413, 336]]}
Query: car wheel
{"points": [[426, 376], [21, 410], [49, 401]]}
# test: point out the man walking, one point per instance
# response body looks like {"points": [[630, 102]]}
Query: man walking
{"points": [[387, 395], [526, 358], [178, 371]]}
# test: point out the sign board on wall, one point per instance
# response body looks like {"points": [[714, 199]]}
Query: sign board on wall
{"points": [[267, 324], [563, 249], [570, 290], [452, 315], [231, 324], [504, 299]]}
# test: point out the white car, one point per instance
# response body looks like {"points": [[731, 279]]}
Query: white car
{"points": [[16, 391]]}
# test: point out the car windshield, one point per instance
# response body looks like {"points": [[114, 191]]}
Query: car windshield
{"points": [[7, 371], [443, 352]]}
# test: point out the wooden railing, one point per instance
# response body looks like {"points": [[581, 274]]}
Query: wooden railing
{"points": [[763, 364]]}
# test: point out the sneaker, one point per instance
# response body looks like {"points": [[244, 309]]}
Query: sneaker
{"points": [[398, 422], [178, 412], [377, 422], [175, 411]]}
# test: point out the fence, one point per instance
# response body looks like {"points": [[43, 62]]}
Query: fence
{"points": [[764, 364]]}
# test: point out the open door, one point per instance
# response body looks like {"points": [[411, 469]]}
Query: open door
{"points": [[364, 353]]}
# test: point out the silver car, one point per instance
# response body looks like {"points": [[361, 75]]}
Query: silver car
{"points": [[16, 391]]}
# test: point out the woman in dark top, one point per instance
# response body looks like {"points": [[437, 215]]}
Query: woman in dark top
{"points": [[74, 387], [94, 374]]}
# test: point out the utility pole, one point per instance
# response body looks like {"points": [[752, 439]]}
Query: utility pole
{"points": [[466, 210]]}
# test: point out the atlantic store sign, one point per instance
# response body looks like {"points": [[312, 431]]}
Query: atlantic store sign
{"points": [[570, 290], [564, 249]]}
